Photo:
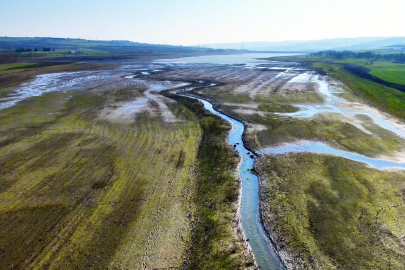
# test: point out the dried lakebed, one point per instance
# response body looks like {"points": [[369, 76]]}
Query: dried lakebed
{"points": [[261, 246]]}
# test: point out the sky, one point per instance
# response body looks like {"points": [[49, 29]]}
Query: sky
{"points": [[191, 22]]}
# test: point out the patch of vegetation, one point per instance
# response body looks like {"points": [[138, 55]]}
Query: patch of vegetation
{"points": [[299, 97], [331, 213], [224, 93], [276, 107]]}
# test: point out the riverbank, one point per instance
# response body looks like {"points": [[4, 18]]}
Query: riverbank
{"points": [[327, 212], [216, 244]]}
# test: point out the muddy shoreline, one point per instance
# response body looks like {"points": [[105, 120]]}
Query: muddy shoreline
{"points": [[237, 224]]}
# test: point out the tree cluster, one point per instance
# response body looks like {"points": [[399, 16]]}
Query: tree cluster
{"points": [[395, 57], [20, 50], [7, 58]]}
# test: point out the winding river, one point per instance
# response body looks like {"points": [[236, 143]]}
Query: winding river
{"points": [[262, 249]]}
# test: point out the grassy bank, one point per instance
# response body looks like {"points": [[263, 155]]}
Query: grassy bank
{"points": [[215, 244], [332, 213]]}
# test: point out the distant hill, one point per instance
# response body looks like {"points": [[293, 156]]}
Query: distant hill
{"points": [[72, 49], [361, 43], [386, 42]]}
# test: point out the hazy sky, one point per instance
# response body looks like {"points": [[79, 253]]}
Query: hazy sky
{"points": [[190, 22]]}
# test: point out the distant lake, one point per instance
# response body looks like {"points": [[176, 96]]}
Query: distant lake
{"points": [[250, 59]]}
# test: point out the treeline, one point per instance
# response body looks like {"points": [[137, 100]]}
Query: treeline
{"points": [[20, 50], [7, 58], [396, 57]]}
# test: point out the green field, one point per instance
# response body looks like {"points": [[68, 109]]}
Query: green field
{"points": [[388, 71], [332, 213], [385, 70]]}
